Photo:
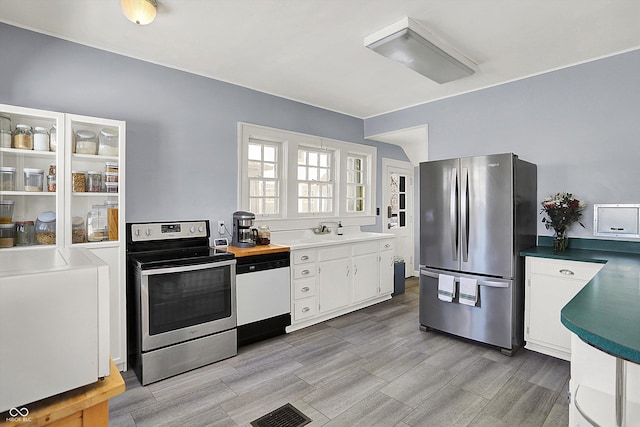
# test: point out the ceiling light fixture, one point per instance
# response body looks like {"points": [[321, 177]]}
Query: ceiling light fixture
{"points": [[410, 44], [141, 12]]}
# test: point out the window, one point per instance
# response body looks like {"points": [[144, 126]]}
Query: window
{"points": [[315, 186], [263, 175], [355, 184], [303, 178]]}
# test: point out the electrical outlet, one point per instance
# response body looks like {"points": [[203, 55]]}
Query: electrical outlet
{"points": [[221, 227]]}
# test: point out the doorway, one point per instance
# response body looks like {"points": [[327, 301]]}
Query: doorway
{"points": [[398, 205]]}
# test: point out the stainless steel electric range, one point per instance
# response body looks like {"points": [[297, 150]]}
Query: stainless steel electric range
{"points": [[181, 299]]}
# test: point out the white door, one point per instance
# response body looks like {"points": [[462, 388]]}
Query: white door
{"points": [[398, 205]]}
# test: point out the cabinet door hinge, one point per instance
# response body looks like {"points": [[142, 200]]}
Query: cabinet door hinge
{"points": [[527, 329]]}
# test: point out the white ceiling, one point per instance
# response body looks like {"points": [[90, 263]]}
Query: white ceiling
{"points": [[312, 50]]}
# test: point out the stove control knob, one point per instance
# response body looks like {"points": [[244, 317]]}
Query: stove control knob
{"points": [[147, 232], [192, 229], [201, 229], [137, 232]]}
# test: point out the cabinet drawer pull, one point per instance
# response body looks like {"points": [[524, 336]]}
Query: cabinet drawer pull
{"points": [[567, 272], [387, 245], [304, 257], [305, 272], [305, 289], [304, 310]]}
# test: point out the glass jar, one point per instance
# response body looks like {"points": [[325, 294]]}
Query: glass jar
{"points": [[5, 122], [33, 179], [111, 177], [86, 142], [78, 230], [110, 167], [46, 228], [112, 219], [53, 138], [52, 169], [6, 211], [23, 137], [25, 233], [79, 181], [111, 187], [108, 142], [264, 235], [7, 235], [40, 139], [7, 178], [94, 181], [51, 183], [97, 224], [5, 138]]}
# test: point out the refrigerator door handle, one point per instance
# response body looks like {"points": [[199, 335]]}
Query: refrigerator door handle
{"points": [[489, 283], [464, 226], [453, 214]]}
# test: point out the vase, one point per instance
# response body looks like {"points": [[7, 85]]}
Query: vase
{"points": [[560, 241]]}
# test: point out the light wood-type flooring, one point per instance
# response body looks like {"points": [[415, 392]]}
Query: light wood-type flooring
{"points": [[373, 367]]}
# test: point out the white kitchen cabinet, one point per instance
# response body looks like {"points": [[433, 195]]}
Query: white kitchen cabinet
{"points": [[593, 387], [334, 279], [550, 285], [387, 254], [71, 207]]}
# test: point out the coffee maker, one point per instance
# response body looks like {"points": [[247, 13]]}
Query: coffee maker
{"points": [[244, 234]]}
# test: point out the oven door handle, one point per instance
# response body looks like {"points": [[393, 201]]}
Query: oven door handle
{"points": [[184, 268]]}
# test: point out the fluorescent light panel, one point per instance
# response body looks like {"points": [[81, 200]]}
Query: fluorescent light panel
{"points": [[410, 44]]}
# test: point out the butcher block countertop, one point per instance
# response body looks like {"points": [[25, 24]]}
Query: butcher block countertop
{"points": [[257, 250]]}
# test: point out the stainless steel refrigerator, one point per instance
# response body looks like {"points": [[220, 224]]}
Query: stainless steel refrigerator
{"points": [[476, 214]]}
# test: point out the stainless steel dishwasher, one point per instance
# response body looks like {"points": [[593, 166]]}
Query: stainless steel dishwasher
{"points": [[263, 295]]}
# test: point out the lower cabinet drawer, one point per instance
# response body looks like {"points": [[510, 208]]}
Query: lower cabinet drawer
{"points": [[304, 308], [304, 288]]}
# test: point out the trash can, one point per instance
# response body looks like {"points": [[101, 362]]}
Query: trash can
{"points": [[398, 276]]}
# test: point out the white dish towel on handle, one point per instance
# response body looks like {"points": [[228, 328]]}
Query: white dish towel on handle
{"points": [[468, 291], [446, 287]]}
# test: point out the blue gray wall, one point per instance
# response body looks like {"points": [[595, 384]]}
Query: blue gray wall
{"points": [[181, 128], [580, 125]]}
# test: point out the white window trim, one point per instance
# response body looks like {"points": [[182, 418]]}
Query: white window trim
{"points": [[289, 219]]}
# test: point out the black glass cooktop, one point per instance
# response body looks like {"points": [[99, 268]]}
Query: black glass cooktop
{"points": [[179, 257]]}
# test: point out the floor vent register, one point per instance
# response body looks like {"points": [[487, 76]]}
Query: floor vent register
{"points": [[285, 416]]}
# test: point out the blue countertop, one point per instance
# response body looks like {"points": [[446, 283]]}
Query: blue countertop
{"points": [[606, 312]]}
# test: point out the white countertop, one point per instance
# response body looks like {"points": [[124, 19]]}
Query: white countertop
{"points": [[38, 260], [300, 239]]}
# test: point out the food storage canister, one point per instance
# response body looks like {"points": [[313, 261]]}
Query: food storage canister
{"points": [[94, 181], [86, 142], [23, 137], [97, 224], [53, 138], [6, 211], [7, 178], [79, 181], [33, 179], [112, 219], [108, 142], [46, 228], [5, 138], [110, 167], [78, 230], [111, 177], [40, 139], [7, 235], [5, 122], [51, 183], [52, 169], [25, 233], [111, 187]]}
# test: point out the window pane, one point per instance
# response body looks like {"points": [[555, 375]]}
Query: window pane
{"points": [[359, 205], [270, 206], [313, 174], [325, 175], [351, 177], [314, 205], [313, 158], [360, 191], [324, 160], [269, 170], [357, 164], [402, 183], [403, 221], [302, 173], [254, 205], [357, 177], [329, 190], [350, 161], [314, 190], [269, 154], [255, 152], [270, 188], [302, 157], [326, 205], [351, 205], [254, 169], [303, 190], [303, 205], [255, 187], [402, 201], [351, 192]]}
